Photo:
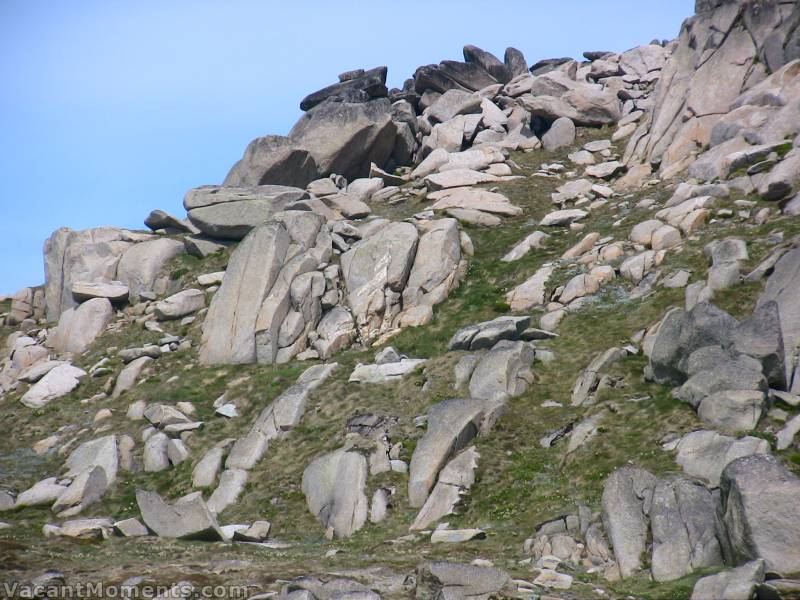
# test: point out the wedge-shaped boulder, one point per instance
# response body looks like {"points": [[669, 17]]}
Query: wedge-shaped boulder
{"points": [[273, 159], [143, 266], [503, 372], [759, 508], [334, 489], [736, 584], [79, 327], [455, 480], [230, 324], [189, 518], [436, 264], [58, 382], [782, 288], [451, 426], [626, 498]]}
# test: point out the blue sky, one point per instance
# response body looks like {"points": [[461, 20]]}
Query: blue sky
{"points": [[111, 109]]}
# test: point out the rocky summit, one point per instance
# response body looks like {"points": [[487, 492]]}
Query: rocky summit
{"points": [[509, 331]]}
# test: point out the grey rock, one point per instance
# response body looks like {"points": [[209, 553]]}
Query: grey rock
{"points": [[334, 488], [373, 270], [142, 266], [230, 487], [704, 454], [681, 333], [79, 327], [782, 288], [356, 86], [455, 479], [761, 337], [74, 256], [158, 219], [452, 580], [737, 584], [759, 510], [155, 457], [503, 372], [230, 324], [560, 135], [58, 382], [131, 527], [189, 518], [201, 247], [181, 304], [127, 378], [206, 470], [733, 410], [683, 522], [231, 212], [86, 290], [488, 333], [451, 426], [625, 502]]}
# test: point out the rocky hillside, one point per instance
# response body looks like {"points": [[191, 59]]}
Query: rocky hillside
{"points": [[510, 331]]}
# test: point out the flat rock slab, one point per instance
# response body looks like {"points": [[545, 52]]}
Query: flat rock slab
{"points": [[86, 290]]}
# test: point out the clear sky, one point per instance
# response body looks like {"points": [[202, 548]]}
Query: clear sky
{"points": [[109, 109]]}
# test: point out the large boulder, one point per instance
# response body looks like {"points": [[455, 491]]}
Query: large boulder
{"points": [[782, 289], [443, 579], [189, 518], [376, 271], [273, 159], [705, 454], [759, 511], [334, 489], [503, 372], [437, 261], [341, 138], [230, 324], [58, 382], [232, 212], [451, 426], [683, 522], [71, 256], [681, 333], [142, 267], [79, 327], [737, 584], [626, 500], [346, 138]]}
